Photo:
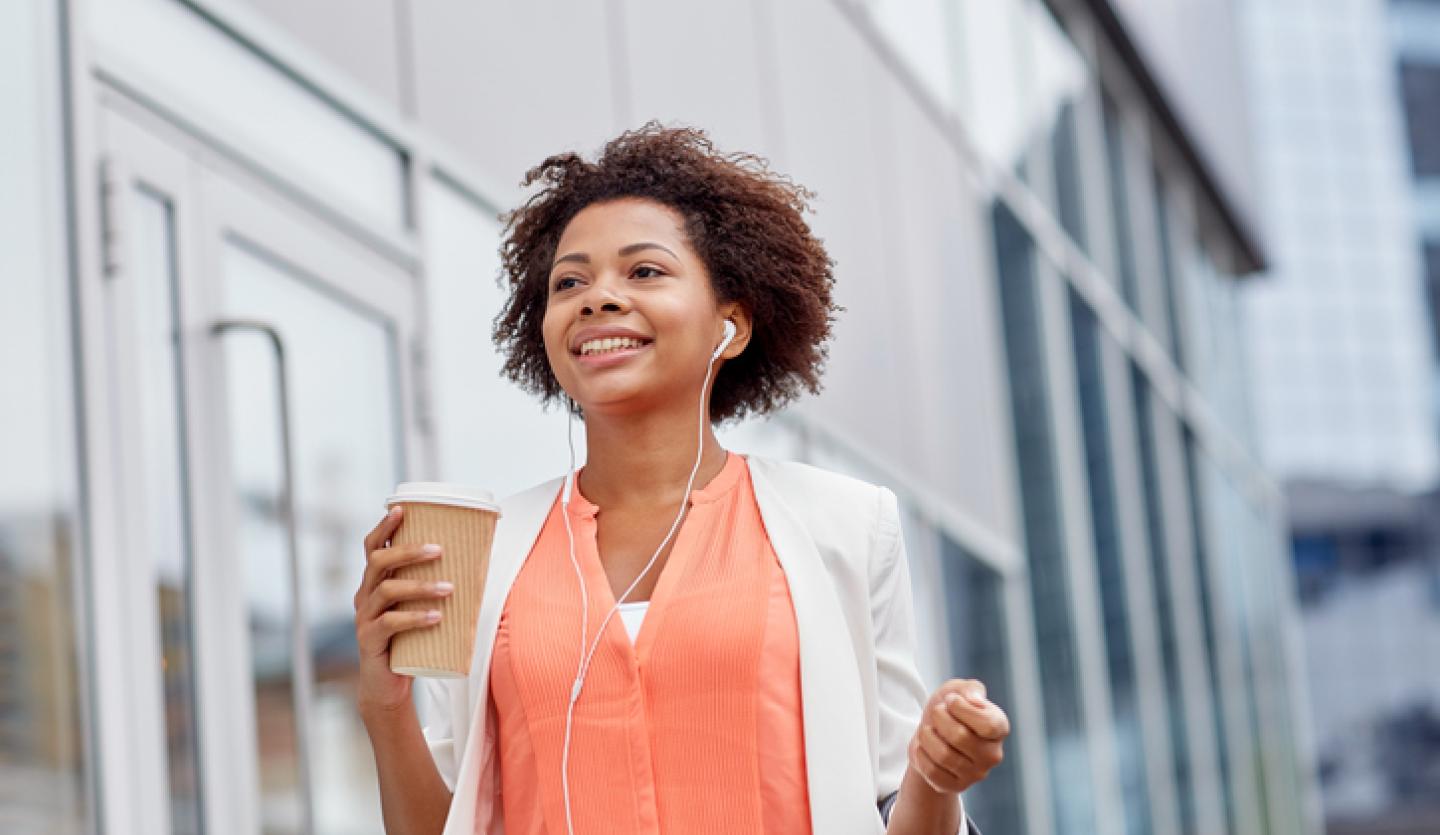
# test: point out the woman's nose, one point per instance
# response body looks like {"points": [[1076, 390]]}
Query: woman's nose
{"points": [[610, 306], [602, 297]]}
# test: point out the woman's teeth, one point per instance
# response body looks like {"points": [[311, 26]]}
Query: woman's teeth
{"points": [[600, 346]]}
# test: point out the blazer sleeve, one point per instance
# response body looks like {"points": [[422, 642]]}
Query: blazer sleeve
{"points": [[433, 706], [900, 692]]}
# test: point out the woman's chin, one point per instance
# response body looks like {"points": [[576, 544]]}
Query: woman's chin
{"points": [[617, 402]]}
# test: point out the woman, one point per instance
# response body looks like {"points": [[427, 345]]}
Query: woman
{"points": [[763, 680]]}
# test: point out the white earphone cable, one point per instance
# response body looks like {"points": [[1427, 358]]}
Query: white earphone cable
{"points": [[585, 660], [584, 612]]}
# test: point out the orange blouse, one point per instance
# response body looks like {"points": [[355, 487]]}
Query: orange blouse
{"points": [[696, 726]]}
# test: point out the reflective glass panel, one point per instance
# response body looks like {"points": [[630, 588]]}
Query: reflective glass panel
{"points": [[1209, 603], [340, 364], [1068, 758], [994, 67], [980, 649], [1164, 592], [43, 769], [166, 510], [1115, 156], [1109, 565], [1061, 80]]}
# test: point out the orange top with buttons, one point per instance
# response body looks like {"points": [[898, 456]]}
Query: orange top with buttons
{"points": [[694, 728]]}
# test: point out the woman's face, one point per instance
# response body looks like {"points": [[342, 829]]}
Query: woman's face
{"points": [[631, 317]]}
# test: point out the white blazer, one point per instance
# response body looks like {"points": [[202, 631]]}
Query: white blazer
{"points": [[839, 542]]}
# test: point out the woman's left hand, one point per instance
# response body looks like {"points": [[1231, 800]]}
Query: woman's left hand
{"points": [[960, 738]]}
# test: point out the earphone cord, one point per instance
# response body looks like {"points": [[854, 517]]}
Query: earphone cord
{"points": [[585, 617]]}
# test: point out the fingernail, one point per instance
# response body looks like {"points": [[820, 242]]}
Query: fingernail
{"points": [[977, 698], [951, 698], [443, 586], [431, 550], [432, 615], [395, 511]]}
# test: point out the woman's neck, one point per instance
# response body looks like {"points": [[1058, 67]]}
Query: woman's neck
{"points": [[645, 459]]}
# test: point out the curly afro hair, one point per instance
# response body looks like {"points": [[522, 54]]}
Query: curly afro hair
{"points": [[743, 220]]}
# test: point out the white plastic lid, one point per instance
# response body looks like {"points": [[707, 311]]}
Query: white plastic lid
{"points": [[440, 492]]}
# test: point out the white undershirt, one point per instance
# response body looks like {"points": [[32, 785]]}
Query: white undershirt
{"points": [[633, 614]]}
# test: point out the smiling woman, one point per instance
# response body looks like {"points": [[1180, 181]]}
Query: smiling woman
{"points": [[725, 222], [767, 684]]}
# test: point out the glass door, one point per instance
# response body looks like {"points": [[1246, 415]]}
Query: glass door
{"points": [[262, 376]]}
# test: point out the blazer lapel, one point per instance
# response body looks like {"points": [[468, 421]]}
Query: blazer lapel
{"points": [[521, 518], [837, 757]]}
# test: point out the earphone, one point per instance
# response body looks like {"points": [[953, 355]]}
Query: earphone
{"points": [[585, 656], [725, 340]]}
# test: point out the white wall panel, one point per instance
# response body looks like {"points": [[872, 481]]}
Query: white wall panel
{"points": [[358, 36], [508, 84]]}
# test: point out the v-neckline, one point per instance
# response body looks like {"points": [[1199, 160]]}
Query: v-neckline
{"points": [[595, 569], [680, 549]]}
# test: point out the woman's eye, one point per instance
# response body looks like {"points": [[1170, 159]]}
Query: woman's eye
{"points": [[562, 283]]}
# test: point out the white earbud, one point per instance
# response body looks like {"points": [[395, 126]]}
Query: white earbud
{"points": [[570, 439], [729, 335]]}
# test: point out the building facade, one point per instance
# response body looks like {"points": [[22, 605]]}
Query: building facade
{"points": [[1342, 330], [251, 254]]}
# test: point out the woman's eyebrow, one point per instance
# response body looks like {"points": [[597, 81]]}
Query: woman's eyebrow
{"points": [[624, 250]]}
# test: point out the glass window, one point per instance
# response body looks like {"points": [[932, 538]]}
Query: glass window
{"points": [[1201, 288], [341, 359], [1269, 705], [1228, 520], [1163, 597], [1066, 742], [1062, 79], [1110, 569], [1208, 614], [1065, 162], [44, 775], [994, 67], [980, 648], [1420, 90], [1432, 291], [1169, 287], [165, 524], [1115, 154]]}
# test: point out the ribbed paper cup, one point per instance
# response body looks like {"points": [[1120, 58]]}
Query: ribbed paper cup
{"points": [[461, 520]]}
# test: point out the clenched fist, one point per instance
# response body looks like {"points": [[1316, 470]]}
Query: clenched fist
{"points": [[960, 738]]}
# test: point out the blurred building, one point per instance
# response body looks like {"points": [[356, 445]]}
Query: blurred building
{"points": [[250, 251], [1345, 102]]}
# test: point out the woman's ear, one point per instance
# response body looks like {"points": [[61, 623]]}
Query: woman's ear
{"points": [[737, 314]]}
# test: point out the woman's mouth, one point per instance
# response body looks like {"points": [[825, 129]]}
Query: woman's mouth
{"points": [[603, 353]]}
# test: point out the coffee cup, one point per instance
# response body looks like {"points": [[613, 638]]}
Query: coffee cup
{"points": [[461, 520]]}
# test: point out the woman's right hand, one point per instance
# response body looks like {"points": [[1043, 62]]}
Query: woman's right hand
{"points": [[376, 621]]}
